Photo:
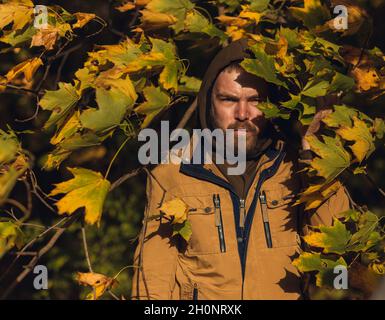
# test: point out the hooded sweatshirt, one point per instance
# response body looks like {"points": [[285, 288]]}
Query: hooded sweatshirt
{"points": [[234, 52]]}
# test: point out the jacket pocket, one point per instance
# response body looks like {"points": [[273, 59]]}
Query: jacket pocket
{"points": [[279, 216], [207, 226]]}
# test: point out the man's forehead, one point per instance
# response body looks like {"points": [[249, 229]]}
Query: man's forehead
{"points": [[237, 79]]}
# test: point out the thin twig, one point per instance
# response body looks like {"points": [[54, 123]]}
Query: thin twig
{"points": [[86, 248], [39, 254]]}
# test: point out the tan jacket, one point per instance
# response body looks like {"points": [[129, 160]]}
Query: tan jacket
{"points": [[253, 265]]}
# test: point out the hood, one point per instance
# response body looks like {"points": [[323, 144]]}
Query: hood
{"points": [[235, 51]]}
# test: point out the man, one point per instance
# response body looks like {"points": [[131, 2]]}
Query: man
{"points": [[245, 229]]}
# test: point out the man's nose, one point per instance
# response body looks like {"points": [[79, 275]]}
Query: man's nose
{"points": [[241, 112]]}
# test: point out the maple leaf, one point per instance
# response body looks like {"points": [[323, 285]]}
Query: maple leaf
{"points": [[18, 12], [183, 229], [342, 116], [60, 102], [175, 9], [262, 66], [99, 283], [115, 97], [156, 101], [87, 189], [332, 157], [176, 209], [363, 140], [46, 37], [68, 129], [333, 239], [311, 261], [315, 195], [196, 22]]}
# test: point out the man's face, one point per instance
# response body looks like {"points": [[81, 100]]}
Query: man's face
{"points": [[235, 98]]}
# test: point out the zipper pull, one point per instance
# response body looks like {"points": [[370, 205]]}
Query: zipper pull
{"points": [[242, 213], [265, 218], [217, 206], [218, 222]]}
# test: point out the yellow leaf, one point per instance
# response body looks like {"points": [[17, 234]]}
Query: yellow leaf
{"points": [[99, 283], [156, 20], [28, 68], [232, 21], [235, 33], [87, 189], [69, 128], [83, 19], [246, 13], [360, 134], [314, 195], [17, 11], [366, 78], [176, 209]]}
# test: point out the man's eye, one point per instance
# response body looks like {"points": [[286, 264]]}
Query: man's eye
{"points": [[228, 99]]}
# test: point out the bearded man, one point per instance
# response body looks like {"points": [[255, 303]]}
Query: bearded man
{"points": [[246, 230]]}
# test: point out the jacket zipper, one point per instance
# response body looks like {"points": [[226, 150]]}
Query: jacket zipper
{"points": [[242, 214], [193, 171], [265, 218], [218, 222]]}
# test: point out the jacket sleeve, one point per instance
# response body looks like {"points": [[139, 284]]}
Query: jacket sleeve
{"points": [[155, 255]]}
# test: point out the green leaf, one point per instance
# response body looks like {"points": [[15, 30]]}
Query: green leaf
{"points": [[258, 5], [367, 236], [341, 82], [60, 102], [262, 66], [176, 8], [311, 261], [332, 239], [114, 101], [315, 88], [10, 236], [16, 38], [196, 22], [270, 110], [156, 101], [183, 229], [189, 84], [9, 146], [312, 14], [291, 35], [332, 157], [342, 116]]}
